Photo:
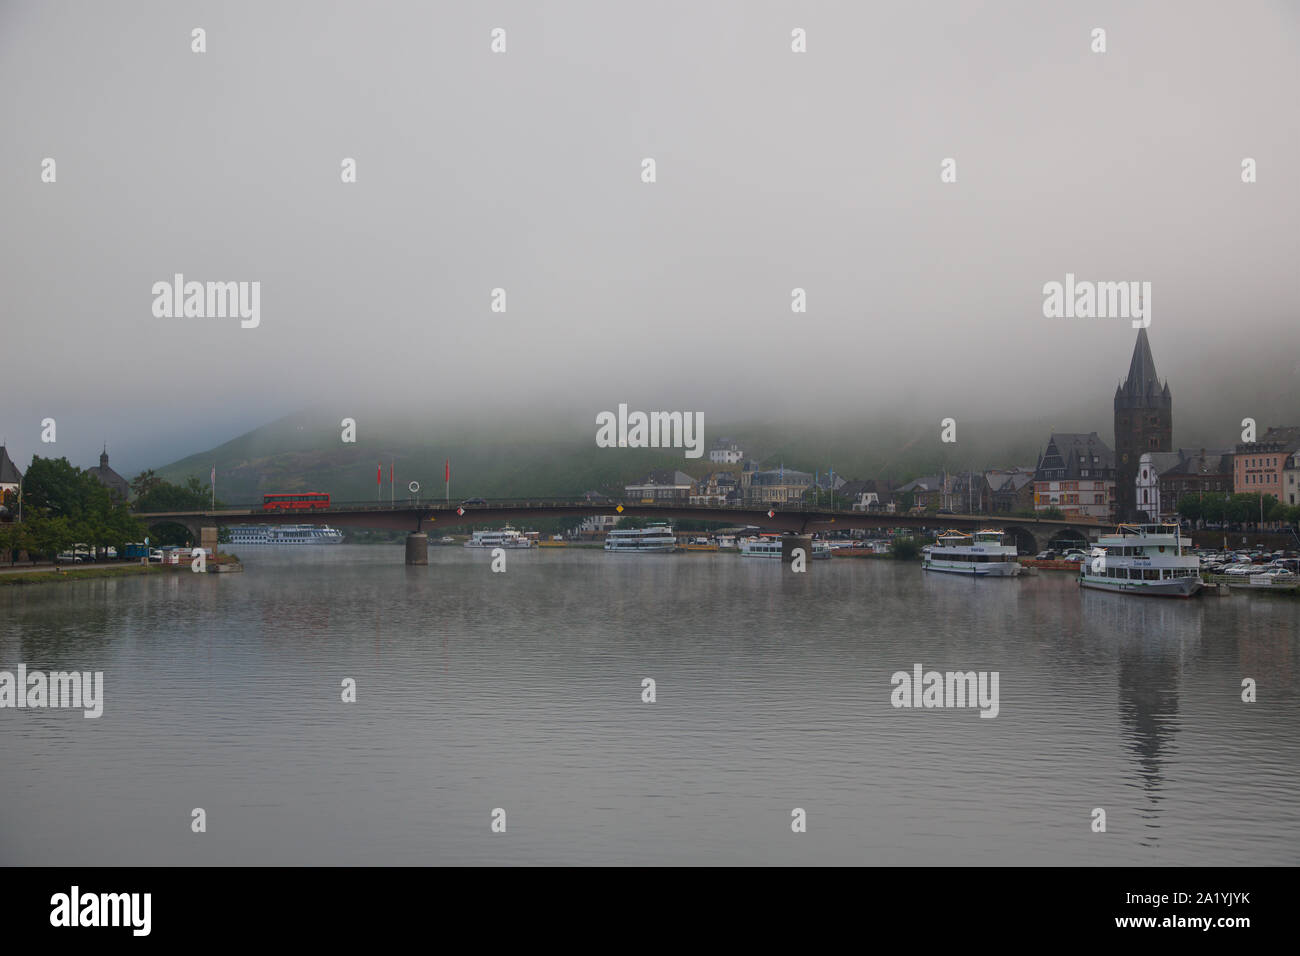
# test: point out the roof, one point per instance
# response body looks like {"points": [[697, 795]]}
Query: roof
{"points": [[665, 476], [1014, 482], [108, 477], [1200, 461], [1163, 461], [9, 473], [1288, 436], [1142, 388], [1064, 451], [924, 483], [783, 476], [962, 478]]}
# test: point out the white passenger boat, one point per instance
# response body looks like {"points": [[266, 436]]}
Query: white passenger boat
{"points": [[654, 538], [769, 546], [250, 534], [504, 538], [1142, 559], [981, 555]]}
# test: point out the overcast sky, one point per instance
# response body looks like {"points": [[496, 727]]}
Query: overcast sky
{"points": [[522, 170]]}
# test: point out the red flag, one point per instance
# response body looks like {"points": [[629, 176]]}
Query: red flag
{"points": [[390, 472], [447, 476], [379, 475]]}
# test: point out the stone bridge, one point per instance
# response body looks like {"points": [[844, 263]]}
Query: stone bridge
{"points": [[1029, 534]]}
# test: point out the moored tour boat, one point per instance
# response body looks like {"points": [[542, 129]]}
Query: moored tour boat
{"points": [[654, 538], [504, 538], [1143, 559], [769, 546], [250, 534], [980, 555]]}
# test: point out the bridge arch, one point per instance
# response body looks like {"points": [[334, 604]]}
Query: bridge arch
{"points": [[1068, 537], [1026, 541], [171, 530]]}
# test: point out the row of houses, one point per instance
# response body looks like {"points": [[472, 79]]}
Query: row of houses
{"points": [[1076, 474]]}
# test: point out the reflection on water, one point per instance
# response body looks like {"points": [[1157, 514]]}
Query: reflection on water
{"points": [[523, 690]]}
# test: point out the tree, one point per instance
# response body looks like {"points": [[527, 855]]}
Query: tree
{"points": [[1189, 507], [54, 491], [144, 483], [165, 496], [1242, 508], [11, 535], [905, 549], [1212, 508], [49, 535], [55, 487], [1052, 514]]}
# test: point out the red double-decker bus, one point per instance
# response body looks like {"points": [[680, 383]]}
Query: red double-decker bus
{"points": [[301, 501]]}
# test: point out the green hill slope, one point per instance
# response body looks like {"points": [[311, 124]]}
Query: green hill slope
{"points": [[303, 452]]}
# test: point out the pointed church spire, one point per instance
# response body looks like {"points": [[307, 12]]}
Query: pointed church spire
{"points": [[1142, 369]]}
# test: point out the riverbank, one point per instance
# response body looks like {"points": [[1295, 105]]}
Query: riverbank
{"points": [[47, 574], [51, 574]]}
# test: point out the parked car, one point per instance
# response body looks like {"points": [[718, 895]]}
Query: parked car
{"points": [[474, 501], [1277, 575], [1242, 570], [1048, 555]]}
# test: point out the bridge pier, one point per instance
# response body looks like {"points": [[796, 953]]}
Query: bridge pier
{"points": [[208, 538], [417, 548], [789, 542]]}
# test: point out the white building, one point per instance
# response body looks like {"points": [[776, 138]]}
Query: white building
{"points": [[1291, 480], [1151, 466], [726, 452]]}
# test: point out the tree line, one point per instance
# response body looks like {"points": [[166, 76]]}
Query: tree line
{"points": [[63, 505]]}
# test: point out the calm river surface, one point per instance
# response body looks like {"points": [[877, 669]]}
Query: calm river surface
{"points": [[522, 691]]}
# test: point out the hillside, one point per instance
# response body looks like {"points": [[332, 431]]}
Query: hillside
{"points": [[303, 452]]}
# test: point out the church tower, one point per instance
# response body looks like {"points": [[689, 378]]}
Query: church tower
{"points": [[1144, 421]]}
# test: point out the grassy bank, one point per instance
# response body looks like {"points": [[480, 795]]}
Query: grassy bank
{"points": [[83, 573]]}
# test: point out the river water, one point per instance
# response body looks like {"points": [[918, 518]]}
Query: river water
{"points": [[522, 691]]}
